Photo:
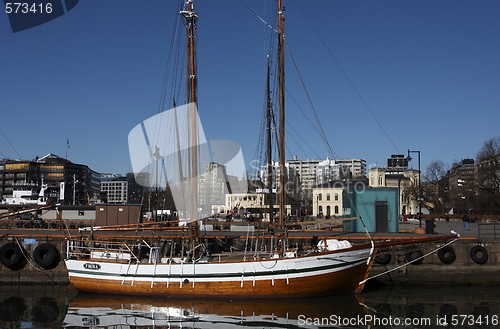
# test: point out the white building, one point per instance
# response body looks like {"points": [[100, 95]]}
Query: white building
{"points": [[328, 170], [115, 187], [291, 178], [357, 167], [306, 170]]}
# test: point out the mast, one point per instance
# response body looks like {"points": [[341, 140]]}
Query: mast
{"points": [[269, 146], [281, 95], [190, 23]]}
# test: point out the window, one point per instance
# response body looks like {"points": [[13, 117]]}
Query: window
{"points": [[336, 210], [320, 197], [81, 212], [328, 197], [328, 210], [320, 209], [336, 197]]}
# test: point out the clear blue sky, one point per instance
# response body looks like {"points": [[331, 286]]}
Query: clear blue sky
{"points": [[429, 72]]}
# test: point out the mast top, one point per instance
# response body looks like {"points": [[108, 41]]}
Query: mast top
{"points": [[189, 14]]}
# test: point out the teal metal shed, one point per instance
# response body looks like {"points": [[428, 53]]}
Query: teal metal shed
{"points": [[376, 208]]}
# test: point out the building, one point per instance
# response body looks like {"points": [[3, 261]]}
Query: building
{"points": [[328, 170], [114, 189], [292, 180], [328, 197], [397, 175], [212, 186], [80, 184], [356, 167], [135, 191], [306, 170], [461, 184]]}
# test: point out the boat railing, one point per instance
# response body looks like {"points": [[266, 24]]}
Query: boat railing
{"points": [[100, 250], [144, 253]]}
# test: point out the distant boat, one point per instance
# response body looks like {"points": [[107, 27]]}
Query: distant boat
{"points": [[27, 194]]}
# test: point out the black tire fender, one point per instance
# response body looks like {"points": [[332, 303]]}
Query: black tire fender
{"points": [[412, 255], [447, 255], [383, 259], [483, 254], [46, 255], [10, 254]]}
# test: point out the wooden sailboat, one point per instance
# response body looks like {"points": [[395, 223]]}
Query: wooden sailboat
{"points": [[144, 268]]}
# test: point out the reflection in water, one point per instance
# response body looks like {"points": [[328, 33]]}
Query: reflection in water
{"points": [[33, 306], [124, 312], [57, 307]]}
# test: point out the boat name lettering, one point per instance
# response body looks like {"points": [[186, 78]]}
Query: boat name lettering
{"points": [[90, 266]]}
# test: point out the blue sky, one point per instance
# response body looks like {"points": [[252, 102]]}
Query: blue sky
{"points": [[428, 72]]}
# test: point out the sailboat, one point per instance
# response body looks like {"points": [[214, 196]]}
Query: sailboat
{"points": [[154, 267]]}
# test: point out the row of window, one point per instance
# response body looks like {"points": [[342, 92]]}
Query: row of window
{"points": [[320, 197], [328, 210]]}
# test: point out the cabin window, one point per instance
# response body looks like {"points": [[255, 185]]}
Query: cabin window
{"points": [[81, 212]]}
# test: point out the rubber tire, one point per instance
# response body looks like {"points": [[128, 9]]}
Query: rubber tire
{"points": [[10, 254], [447, 255], [410, 256], [479, 260], [383, 259], [46, 255]]}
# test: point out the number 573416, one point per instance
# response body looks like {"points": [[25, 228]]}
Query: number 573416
{"points": [[28, 8], [471, 320]]}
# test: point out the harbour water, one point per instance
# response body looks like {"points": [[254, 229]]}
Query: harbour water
{"points": [[383, 307]]}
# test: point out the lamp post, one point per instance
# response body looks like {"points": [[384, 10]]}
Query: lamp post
{"points": [[317, 205], [419, 187]]}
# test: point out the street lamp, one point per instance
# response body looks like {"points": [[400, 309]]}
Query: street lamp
{"points": [[419, 187], [317, 205]]}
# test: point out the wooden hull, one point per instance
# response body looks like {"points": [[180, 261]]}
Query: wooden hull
{"points": [[327, 273]]}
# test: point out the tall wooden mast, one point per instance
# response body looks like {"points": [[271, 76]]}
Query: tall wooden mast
{"points": [[281, 92], [190, 23], [269, 142]]}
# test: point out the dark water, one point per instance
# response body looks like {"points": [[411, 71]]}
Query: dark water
{"points": [[387, 307]]}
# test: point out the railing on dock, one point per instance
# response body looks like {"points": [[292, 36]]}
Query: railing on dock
{"points": [[488, 231]]}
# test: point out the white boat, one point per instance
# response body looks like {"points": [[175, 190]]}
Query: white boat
{"points": [[27, 194]]}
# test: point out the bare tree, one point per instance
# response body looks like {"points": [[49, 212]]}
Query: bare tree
{"points": [[488, 176], [435, 186]]}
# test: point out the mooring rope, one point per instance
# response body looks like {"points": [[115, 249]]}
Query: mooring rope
{"points": [[406, 264]]}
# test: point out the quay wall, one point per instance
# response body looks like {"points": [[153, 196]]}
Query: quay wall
{"points": [[432, 270], [28, 271]]}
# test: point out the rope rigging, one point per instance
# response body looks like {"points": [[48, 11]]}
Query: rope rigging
{"points": [[348, 79]]}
